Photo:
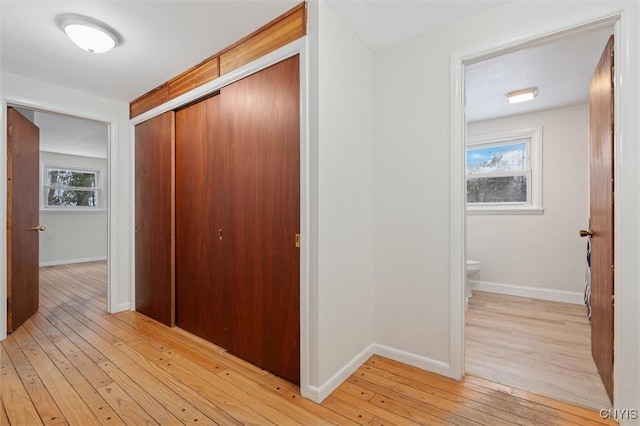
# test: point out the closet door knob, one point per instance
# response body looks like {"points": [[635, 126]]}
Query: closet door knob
{"points": [[584, 233]]}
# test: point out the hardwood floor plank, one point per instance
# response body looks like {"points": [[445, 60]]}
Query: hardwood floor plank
{"points": [[17, 404], [159, 386], [71, 370], [439, 415], [142, 348], [116, 351], [582, 415], [447, 389], [47, 409], [73, 409], [4, 418], [128, 369], [535, 345], [131, 412], [469, 409], [374, 410], [355, 413]]}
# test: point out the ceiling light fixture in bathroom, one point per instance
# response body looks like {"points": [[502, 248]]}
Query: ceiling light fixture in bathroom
{"points": [[522, 95]]}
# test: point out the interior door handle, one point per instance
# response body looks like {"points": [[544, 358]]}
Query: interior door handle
{"points": [[38, 228], [584, 233]]}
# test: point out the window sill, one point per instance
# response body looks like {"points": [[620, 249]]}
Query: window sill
{"points": [[72, 211], [504, 210]]}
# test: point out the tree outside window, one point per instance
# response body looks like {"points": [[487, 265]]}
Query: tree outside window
{"points": [[68, 188]]}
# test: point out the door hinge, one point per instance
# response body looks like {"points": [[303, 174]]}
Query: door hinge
{"points": [[10, 131], [613, 267], [297, 240]]}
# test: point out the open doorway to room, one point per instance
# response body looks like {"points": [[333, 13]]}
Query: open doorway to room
{"points": [[72, 209], [527, 196]]}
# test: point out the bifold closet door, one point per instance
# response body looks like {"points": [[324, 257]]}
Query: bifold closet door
{"points": [[203, 203], [262, 114], [154, 245]]}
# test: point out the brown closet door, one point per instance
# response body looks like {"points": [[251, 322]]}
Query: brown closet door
{"points": [[154, 218], [202, 203], [262, 113]]}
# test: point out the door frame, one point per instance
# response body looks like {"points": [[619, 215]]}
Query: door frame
{"points": [[308, 181], [112, 184], [457, 179]]}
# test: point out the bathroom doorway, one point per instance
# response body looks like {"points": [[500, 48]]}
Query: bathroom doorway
{"points": [[527, 195]]}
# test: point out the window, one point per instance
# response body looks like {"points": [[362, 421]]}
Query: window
{"points": [[71, 188], [504, 173]]}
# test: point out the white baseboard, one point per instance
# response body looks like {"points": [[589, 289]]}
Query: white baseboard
{"points": [[318, 394], [414, 360], [574, 297], [69, 261], [122, 307]]}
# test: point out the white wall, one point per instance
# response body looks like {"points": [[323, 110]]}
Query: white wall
{"points": [[542, 251], [37, 94], [73, 236], [413, 241], [345, 198]]}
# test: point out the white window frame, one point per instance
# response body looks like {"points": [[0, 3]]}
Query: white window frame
{"points": [[99, 189], [533, 138]]}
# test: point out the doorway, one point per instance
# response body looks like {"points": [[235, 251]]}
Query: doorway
{"points": [[514, 236], [72, 200]]}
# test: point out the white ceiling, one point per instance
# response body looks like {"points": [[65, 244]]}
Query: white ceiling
{"points": [[163, 38], [160, 39], [74, 136], [381, 23], [561, 69]]}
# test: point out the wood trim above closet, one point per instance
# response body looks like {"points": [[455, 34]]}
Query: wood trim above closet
{"points": [[150, 100], [285, 29], [281, 31]]}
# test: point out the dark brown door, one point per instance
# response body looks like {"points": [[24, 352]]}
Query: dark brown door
{"points": [[154, 218], [23, 162], [601, 199], [263, 126], [203, 204]]}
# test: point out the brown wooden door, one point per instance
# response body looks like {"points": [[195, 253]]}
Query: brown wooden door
{"points": [[203, 204], [601, 199], [154, 218], [23, 189], [263, 126]]}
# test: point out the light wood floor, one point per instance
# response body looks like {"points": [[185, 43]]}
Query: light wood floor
{"points": [[535, 345], [72, 363]]}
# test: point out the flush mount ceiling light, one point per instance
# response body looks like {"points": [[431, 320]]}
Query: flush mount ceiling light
{"points": [[88, 34], [522, 95]]}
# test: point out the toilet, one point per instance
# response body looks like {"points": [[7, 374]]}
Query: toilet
{"points": [[473, 267]]}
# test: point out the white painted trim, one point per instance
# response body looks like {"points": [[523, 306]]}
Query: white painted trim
{"points": [[574, 297], [503, 210], [457, 224], [112, 203], [123, 307], [70, 261], [318, 394], [418, 361], [308, 181], [457, 228]]}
